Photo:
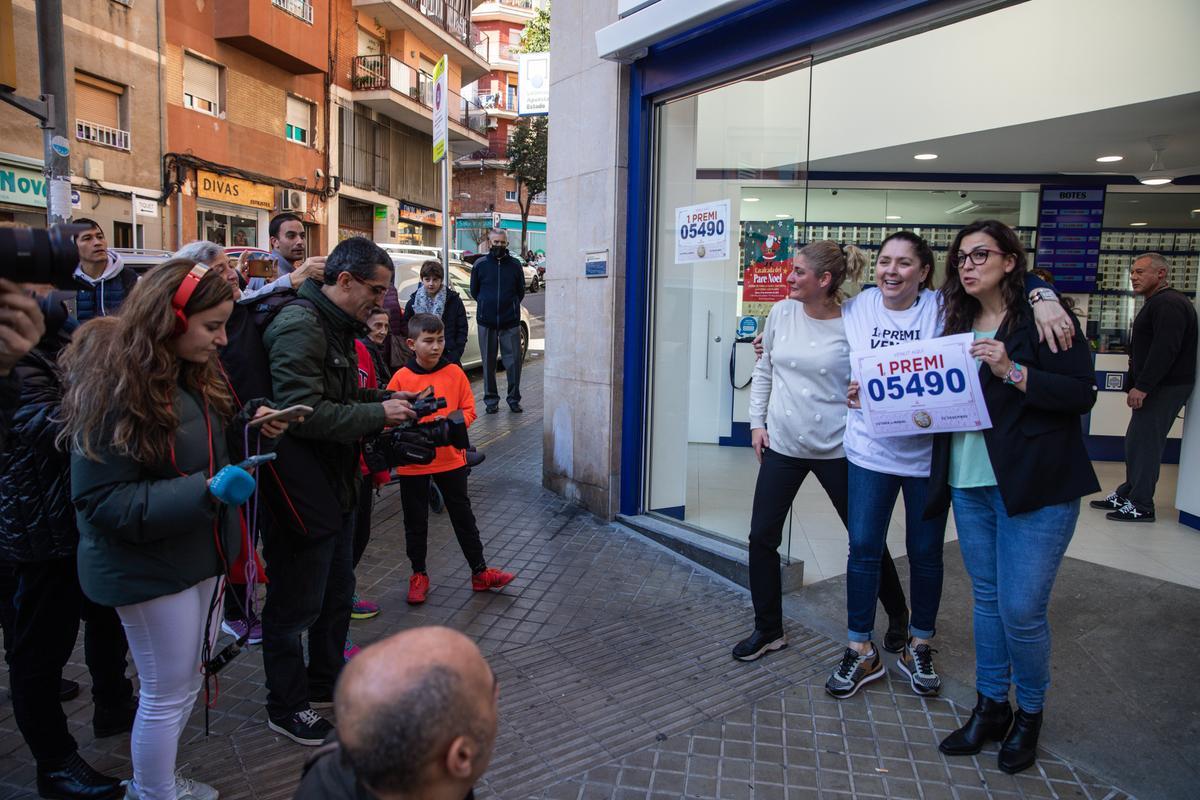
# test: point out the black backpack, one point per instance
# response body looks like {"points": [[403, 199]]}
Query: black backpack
{"points": [[298, 496]]}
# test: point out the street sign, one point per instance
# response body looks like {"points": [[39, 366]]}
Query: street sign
{"points": [[533, 84], [441, 102]]}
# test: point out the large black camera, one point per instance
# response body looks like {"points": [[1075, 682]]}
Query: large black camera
{"points": [[33, 255], [416, 443]]}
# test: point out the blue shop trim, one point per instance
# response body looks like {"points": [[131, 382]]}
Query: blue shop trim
{"points": [[1191, 520], [739, 436], [675, 512]]}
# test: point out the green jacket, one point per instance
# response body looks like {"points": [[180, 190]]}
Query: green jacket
{"points": [[314, 363], [147, 531]]}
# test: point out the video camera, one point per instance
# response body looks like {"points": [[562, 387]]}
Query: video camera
{"points": [[416, 443], [33, 255]]}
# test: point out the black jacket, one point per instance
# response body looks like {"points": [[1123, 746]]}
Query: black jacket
{"points": [[1035, 443], [37, 520], [498, 288], [454, 317], [329, 776], [1163, 347]]}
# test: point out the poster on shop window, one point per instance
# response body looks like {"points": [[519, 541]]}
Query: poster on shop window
{"points": [[702, 232], [919, 387], [766, 262]]}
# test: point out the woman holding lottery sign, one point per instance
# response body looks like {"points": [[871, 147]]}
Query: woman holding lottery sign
{"points": [[1013, 525], [901, 308], [797, 420]]}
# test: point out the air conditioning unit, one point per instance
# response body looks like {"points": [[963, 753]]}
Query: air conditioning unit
{"points": [[493, 123], [293, 200]]}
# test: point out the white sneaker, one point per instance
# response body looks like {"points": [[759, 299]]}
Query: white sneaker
{"points": [[185, 789]]}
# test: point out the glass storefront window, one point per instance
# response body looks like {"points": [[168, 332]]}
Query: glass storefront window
{"points": [[227, 229]]}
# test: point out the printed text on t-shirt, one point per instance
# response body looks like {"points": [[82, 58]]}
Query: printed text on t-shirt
{"points": [[885, 337]]}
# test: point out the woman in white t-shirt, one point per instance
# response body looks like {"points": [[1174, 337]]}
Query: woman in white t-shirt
{"points": [[901, 308], [797, 419]]}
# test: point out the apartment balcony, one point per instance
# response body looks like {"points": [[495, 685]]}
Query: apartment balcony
{"points": [[101, 134], [499, 104], [439, 26], [291, 34], [393, 88]]}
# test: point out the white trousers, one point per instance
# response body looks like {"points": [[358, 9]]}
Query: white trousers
{"points": [[165, 636]]}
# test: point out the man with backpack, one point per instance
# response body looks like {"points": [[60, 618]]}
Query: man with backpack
{"points": [[311, 359]]}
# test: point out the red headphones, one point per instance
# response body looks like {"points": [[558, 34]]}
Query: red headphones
{"points": [[184, 293]]}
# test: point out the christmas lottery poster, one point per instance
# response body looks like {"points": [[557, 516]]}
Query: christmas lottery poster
{"points": [[767, 256]]}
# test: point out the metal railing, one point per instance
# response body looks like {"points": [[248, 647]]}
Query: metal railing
{"points": [[451, 20], [526, 4], [301, 9], [101, 134], [494, 101], [386, 72]]}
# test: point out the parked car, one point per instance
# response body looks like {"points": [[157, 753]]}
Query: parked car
{"points": [[420, 250], [533, 278], [141, 260], [408, 276]]}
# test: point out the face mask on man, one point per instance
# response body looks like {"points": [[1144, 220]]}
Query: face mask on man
{"points": [[498, 251]]}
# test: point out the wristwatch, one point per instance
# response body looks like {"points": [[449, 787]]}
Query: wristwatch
{"points": [[1043, 293], [1014, 375]]}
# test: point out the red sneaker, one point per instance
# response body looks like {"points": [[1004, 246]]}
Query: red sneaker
{"points": [[418, 587], [490, 578]]}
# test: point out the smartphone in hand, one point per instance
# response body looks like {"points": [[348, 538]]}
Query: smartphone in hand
{"points": [[285, 415]]}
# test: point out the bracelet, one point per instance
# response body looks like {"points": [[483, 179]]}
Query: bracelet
{"points": [[1042, 293], [1014, 375]]}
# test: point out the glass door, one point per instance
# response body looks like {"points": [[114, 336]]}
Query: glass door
{"points": [[720, 257]]}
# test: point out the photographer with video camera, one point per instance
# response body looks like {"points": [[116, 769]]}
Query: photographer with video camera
{"points": [[448, 469], [312, 361]]}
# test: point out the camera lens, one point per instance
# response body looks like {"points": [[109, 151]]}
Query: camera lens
{"points": [[33, 255]]}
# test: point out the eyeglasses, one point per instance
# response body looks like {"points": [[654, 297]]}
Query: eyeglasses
{"points": [[977, 256], [376, 289]]}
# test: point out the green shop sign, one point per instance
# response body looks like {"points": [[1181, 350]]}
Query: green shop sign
{"points": [[22, 186]]}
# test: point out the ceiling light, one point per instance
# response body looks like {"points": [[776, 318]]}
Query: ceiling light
{"points": [[749, 199], [925, 156], [1151, 180], [892, 216], [1110, 159], [782, 216], [1157, 175], [1138, 224], [1196, 210]]}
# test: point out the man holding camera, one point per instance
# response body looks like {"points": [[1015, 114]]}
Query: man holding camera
{"points": [[288, 247], [21, 328], [310, 348]]}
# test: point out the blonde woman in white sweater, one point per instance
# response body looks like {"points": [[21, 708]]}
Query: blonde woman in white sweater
{"points": [[797, 420]]}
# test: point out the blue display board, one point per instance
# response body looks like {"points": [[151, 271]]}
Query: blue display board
{"points": [[1068, 240]]}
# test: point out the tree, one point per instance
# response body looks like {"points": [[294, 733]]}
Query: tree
{"points": [[527, 163], [527, 147]]}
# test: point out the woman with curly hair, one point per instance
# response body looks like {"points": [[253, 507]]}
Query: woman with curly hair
{"points": [[1015, 487], [146, 417]]}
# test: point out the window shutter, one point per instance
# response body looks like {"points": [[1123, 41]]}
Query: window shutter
{"points": [[97, 105], [202, 79], [299, 115]]}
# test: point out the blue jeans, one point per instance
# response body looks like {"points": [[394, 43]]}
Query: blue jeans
{"points": [[1013, 562], [872, 500]]}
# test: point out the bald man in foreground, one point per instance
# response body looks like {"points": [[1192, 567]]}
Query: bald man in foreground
{"points": [[416, 720]]}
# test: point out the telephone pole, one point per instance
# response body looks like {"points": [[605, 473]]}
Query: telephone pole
{"points": [[51, 106]]}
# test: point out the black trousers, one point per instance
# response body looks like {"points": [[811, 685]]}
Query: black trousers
{"points": [[779, 478], [310, 588], [49, 605], [414, 499], [362, 517], [1144, 442]]}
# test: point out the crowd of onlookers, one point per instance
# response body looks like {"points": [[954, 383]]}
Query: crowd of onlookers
{"points": [[132, 407]]}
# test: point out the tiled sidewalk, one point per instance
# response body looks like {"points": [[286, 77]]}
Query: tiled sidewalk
{"points": [[616, 680]]}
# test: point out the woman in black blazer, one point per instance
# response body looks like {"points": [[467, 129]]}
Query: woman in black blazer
{"points": [[1015, 487]]}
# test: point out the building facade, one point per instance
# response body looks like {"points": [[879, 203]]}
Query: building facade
{"points": [[484, 193], [116, 121], [832, 120], [381, 105], [247, 129]]}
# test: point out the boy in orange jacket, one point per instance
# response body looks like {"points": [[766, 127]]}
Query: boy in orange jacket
{"points": [[427, 339]]}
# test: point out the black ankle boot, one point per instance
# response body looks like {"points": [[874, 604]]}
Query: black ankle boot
{"points": [[989, 722], [74, 779], [1019, 750], [897, 633]]}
